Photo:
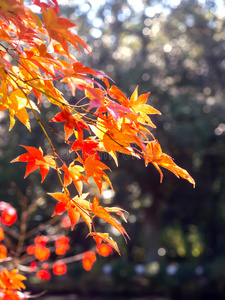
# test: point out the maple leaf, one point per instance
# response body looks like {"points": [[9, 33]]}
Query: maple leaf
{"points": [[98, 99], [136, 104], [71, 122], [73, 174], [11, 280], [58, 29], [63, 202], [46, 87], [35, 160], [74, 216], [100, 237], [115, 137], [158, 158], [119, 211], [87, 146], [12, 6], [40, 58], [57, 47], [79, 68], [115, 93], [94, 168], [102, 213], [77, 77], [119, 140], [76, 207], [83, 207], [21, 19], [16, 102]]}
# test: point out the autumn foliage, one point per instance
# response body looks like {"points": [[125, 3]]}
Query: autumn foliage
{"points": [[102, 120], [11, 284]]}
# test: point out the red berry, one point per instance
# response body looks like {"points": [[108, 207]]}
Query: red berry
{"points": [[43, 275], [9, 216], [59, 268]]}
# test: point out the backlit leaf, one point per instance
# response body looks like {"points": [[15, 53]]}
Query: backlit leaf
{"points": [[158, 158], [35, 160]]}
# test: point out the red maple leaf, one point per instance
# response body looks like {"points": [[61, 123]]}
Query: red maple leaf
{"points": [[35, 160], [72, 122]]}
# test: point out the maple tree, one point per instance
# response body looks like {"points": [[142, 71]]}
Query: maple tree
{"points": [[34, 55]]}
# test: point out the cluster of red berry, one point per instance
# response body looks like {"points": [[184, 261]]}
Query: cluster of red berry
{"points": [[42, 253], [43, 247]]}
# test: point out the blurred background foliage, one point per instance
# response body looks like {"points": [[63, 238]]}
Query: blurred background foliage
{"points": [[176, 51]]}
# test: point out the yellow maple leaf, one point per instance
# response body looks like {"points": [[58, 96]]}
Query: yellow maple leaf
{"points": [[16, 102]]}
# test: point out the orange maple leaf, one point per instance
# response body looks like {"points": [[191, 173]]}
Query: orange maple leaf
{"points": [[73, 174], [62, 205], [102, 213], [119, 211], [11, 280], [79, 77], [83, 208], [35, 160], [76, 207], [100, 237], [158, 158], [136, 104], [94, 168], [42, 59], [58, 29], [115, 136]]}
